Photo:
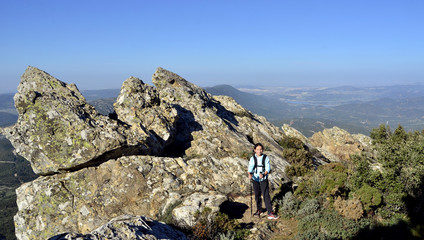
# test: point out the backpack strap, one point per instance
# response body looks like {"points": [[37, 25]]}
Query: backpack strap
{"points": [[256, 162]]}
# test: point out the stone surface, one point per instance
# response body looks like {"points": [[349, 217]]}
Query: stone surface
{"points": [[173, 148], [291, 132], [216, 126], [138, 185], [57, 130], [337, 144], [197, 202], [127, 227], [139, 106]]}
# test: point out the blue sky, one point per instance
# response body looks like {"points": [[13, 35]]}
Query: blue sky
{"points": [[98, 44]]}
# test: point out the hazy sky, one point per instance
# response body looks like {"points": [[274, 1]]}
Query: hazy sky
{"points": [[98, 44]]}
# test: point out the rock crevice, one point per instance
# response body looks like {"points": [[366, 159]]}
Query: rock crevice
{"points": [[168, 145]]}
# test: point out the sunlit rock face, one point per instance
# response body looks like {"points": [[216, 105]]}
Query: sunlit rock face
{"points": [[57, 130], [171, 149], [337, 144]]}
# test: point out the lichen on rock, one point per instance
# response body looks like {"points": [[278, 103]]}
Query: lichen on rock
{"points": [[173, 145]]}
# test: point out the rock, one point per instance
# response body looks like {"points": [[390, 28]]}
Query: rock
{"points": [[127, 227], [83, 200], [57, 130], [196, 203], [213, 126], [137, 185], [174, 149], [139, 106], [291, 132], [337, 144]]}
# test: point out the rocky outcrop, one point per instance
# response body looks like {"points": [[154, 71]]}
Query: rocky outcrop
{"points": [[57, 130], [127, 227], [291, 132], [139, 105], [337, 144], [206, 127], [173, 148]]}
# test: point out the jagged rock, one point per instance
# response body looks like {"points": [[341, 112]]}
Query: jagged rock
{"points": [[337, 144], [207, 140], [57, 130], [127, 227], [197, 202], [216, 126], [138, 185], [291, 132], [139, 105]]}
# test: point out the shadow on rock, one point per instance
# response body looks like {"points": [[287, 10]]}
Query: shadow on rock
{"points": [[185, 125], [234, 210]]}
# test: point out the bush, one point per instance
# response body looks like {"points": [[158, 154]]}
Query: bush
{"points": [[209, 226], [288, 206], [291, 142], [369, 196], [328, 180], [296, 170], [308, 207], [350, 209], [328, 224]]}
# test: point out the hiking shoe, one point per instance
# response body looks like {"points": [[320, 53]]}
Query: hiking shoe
{"points": [[258, 213], [272, 216]]}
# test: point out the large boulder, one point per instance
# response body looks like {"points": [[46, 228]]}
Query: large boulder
{"points": [[127, 227], [57, 130], [170, 149], [337, 144]]}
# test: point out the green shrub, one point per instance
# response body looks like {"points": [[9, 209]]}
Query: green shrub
{"points": [[370, 197], [328, 180], [291, 142], [296, 170], [308, 207], [288, 206], [328, 224]]}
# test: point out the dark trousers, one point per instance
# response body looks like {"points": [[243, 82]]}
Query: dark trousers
{"points": [[262, 188]]}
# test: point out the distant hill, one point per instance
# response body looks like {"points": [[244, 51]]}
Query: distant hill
{"points": [[358, 110], [100, 94], [270, 107], [104, 106], [6, 101], [7, 119], [279, 112]]}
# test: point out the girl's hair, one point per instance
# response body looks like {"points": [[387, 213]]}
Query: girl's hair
{"points": [[258, 144]]}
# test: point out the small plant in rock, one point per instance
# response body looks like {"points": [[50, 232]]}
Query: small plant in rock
{"points": [[226, 236]]}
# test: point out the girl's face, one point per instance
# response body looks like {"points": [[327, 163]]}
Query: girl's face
{"points": [[258, 151]]}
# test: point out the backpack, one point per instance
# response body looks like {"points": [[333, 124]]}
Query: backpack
{"points": [[256, 162]]}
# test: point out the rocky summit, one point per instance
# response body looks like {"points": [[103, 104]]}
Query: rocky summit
{"points": [[169, 149]]}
